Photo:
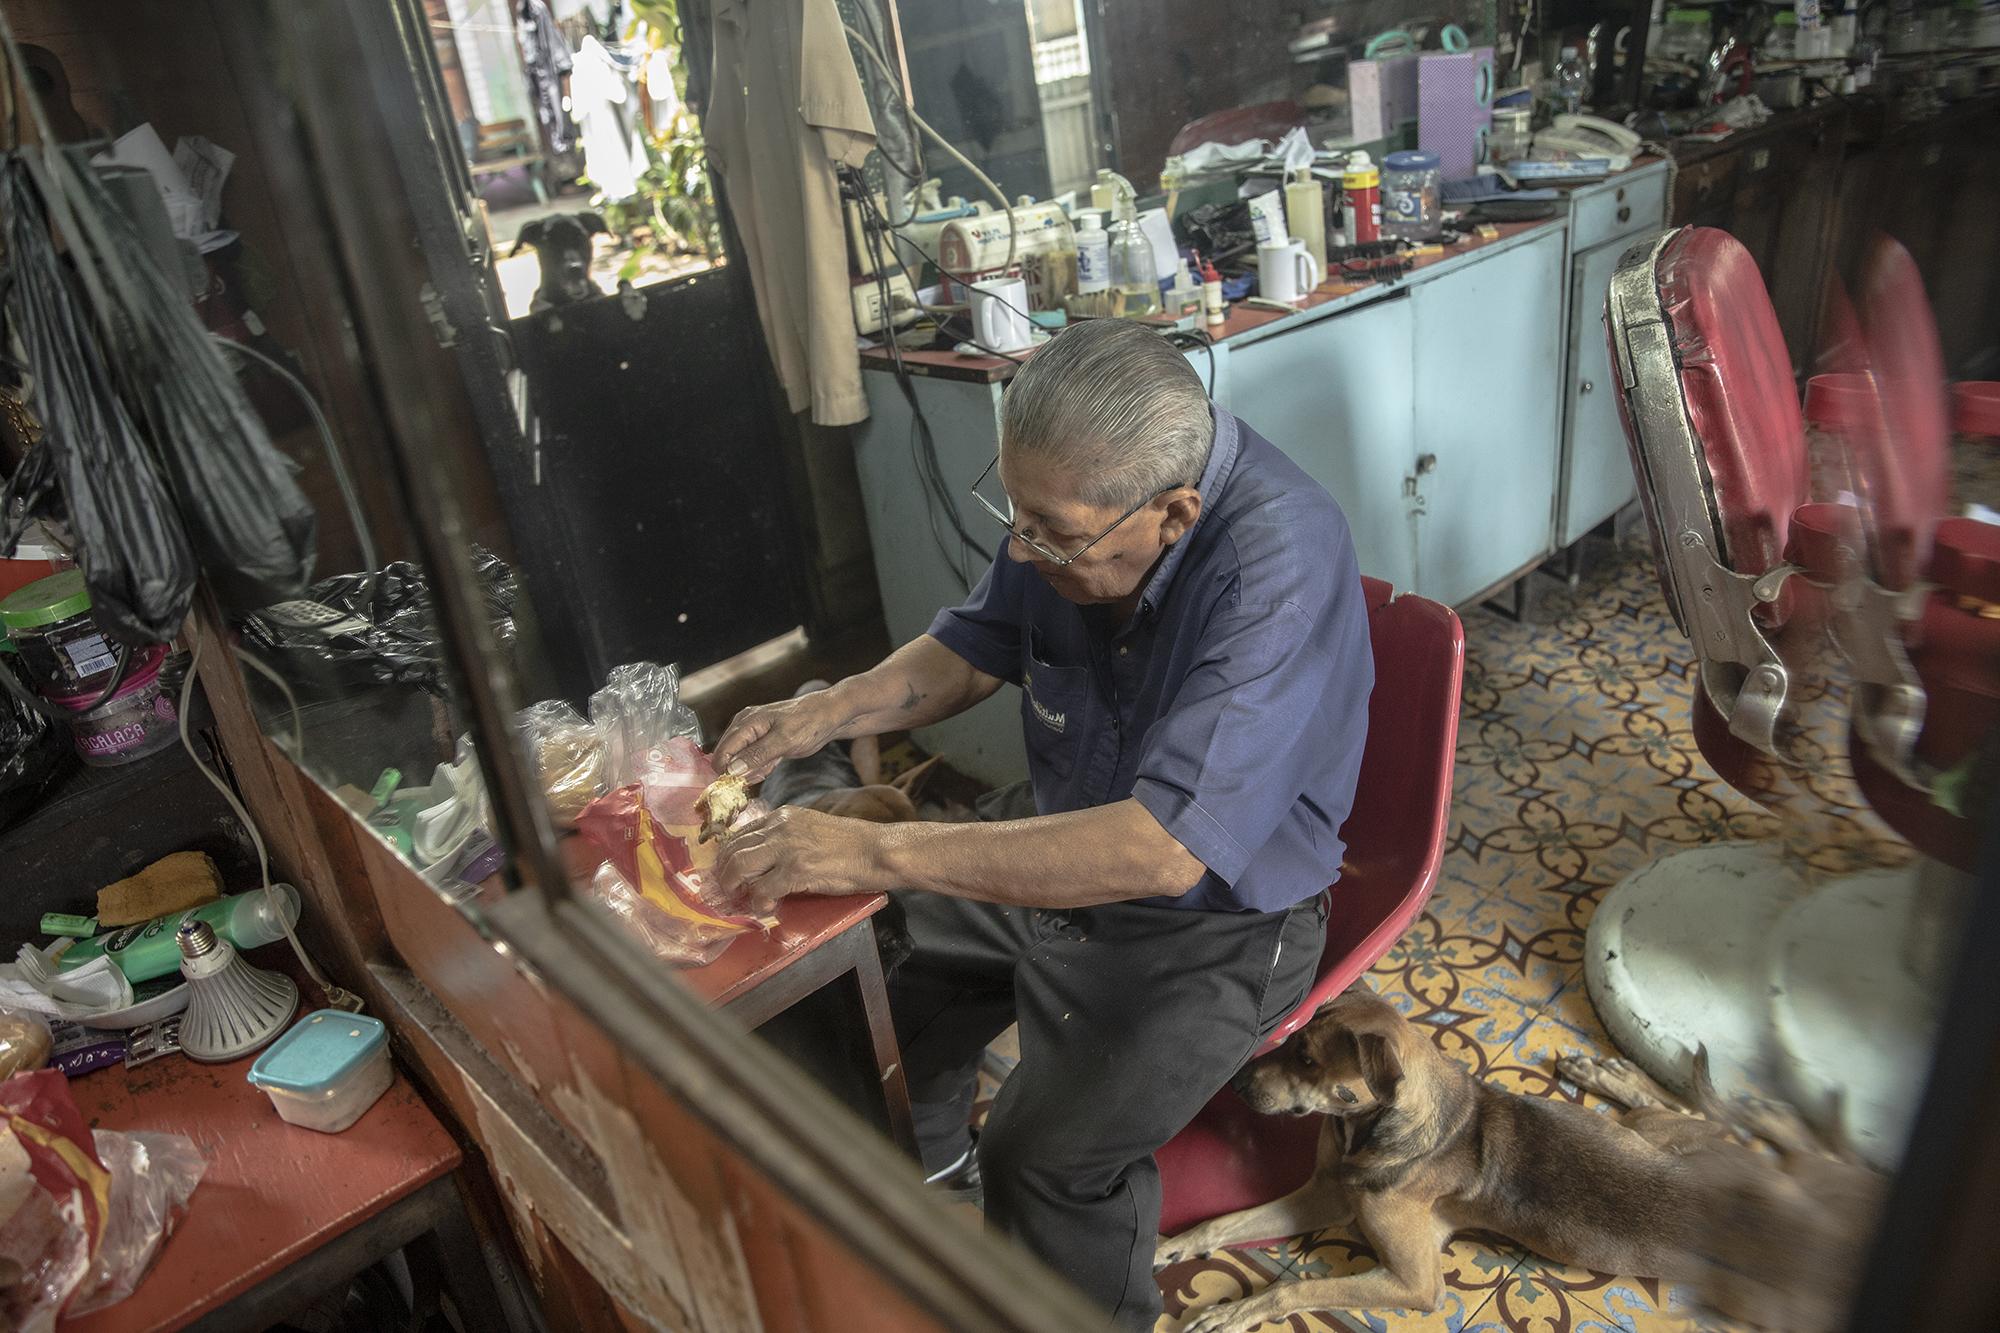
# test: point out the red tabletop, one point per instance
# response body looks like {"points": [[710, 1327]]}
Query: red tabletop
{"points": [[273, 1192], [804, 923]]}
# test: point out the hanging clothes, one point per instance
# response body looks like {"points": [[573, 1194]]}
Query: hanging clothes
{"points": [[785, 109], [546, 58], [599, 88]]}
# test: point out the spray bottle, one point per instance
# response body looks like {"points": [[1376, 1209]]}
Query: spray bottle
{"points": [[1211, 292], [1363, 184]]}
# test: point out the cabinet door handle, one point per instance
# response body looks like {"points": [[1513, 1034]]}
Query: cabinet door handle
{"points": [[1426, 464], [1585, 387], [1625, 213]]}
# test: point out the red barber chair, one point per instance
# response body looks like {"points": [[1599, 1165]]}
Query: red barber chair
{"points": [[1230, 1157], [1824, 992]]}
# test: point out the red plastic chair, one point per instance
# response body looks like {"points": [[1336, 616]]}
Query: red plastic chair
{"points": [[1230, 1157]]}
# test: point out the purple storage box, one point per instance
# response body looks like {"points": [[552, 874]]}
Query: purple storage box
{"points": [[1455, 108]]}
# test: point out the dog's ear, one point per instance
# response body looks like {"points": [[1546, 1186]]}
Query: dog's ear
{"points": [[1380, 1065], [531, 234], [592, 223]]}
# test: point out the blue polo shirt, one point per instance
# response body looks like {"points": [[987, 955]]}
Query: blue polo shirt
{"points": [[1234, 705]]}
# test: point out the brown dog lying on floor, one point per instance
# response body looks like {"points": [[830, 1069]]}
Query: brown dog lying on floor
{"points": [[1415, 1149]]}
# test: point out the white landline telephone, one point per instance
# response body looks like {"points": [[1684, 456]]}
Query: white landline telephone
{"points": [[1589, 136]]}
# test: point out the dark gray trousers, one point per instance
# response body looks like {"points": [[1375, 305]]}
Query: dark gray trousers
{"points": [[1131, 1018]]}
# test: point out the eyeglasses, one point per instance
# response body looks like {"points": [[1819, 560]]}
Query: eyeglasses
{"points": [[1048, 553]]}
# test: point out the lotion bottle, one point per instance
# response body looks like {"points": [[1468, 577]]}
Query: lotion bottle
{"points": [[1305, 214]]}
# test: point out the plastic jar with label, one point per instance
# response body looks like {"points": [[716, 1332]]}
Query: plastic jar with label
{"points": [[137, 720], [1412, 196], [60, 644]]}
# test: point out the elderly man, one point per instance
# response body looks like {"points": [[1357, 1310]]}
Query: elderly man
{"points": [[1180, 606]]}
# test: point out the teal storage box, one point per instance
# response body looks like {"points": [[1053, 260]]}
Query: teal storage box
{"points": [[327, 1071]]}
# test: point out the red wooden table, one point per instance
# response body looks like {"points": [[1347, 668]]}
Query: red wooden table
{"points": [[280, 1208], [817, 943]]}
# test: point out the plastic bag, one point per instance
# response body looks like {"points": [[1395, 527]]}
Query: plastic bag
{"points": [[55, 1195], [673, 940], [639, 710], [152, 1177], [91, 473], [250, 524], [25, 1041], [401, 645], [568, 754], [659, 869], [32, 752]]}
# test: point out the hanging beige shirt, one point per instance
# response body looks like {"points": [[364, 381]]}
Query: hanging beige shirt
{"points": [[785, 109]]}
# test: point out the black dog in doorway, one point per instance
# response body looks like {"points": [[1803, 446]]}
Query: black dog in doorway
{"points": [[562, 243]]}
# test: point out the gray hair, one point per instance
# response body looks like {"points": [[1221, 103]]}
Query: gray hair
{"points": [[1114, 405]]}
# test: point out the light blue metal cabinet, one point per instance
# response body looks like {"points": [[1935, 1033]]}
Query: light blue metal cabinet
{"points": [[906, 530], [1335, 395], [1597, 481], [1488, 352], [1605, 219]]}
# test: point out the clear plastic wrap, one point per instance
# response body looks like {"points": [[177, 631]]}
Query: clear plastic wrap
{"points": [[568, 754], [152, 1178], [56, 1199], [688, 912], [25, 1041], [673, 940], [650, 737]]}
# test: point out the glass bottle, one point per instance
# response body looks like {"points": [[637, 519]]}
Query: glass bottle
{"points": [[1133, 274]]}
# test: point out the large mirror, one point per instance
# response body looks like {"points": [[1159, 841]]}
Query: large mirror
{"points": [[739, 319]]}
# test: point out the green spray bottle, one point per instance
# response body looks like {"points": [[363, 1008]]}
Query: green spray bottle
{"points": [[147, 949]]}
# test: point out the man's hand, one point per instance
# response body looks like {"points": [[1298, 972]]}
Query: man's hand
{"points": [[795, 850], [791, 729]]}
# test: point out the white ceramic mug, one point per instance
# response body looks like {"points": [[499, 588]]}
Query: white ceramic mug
{"points": [[1000, 314], [1285, 272]]}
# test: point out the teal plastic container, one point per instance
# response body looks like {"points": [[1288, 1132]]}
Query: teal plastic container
{"points": [[327, 1071]]}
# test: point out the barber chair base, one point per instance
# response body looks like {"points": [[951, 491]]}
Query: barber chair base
{"points": [[1677, 956], [1858, 969], [1816, 994]]}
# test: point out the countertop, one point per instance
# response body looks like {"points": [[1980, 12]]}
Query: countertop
{"points": [[1244, 323]]}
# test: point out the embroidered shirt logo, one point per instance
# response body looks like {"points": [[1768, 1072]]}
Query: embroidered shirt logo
{"points": [[1051, 719]]}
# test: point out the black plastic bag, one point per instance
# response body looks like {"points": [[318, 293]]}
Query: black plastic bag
{"points": [[33, 752], [91, 473], [1220, 231], [249, 523], [397, 642]]}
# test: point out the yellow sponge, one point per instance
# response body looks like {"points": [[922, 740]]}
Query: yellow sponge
{"points": [[171, 884]]}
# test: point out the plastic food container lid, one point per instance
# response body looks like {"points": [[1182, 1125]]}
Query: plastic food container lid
{"points": [[319, 1052], [1411, 159], [45, 601]]}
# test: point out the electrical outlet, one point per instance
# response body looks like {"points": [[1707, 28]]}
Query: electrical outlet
{"points": [[868, 302]]}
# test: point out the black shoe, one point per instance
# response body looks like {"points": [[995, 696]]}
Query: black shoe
{"points": [[961, 1183]]}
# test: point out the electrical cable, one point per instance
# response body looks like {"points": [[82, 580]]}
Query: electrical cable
{"points": [[939, 313], [336, 996], [923, 445], [350, 496], [882, 62], [263, 668], [873, 43]]}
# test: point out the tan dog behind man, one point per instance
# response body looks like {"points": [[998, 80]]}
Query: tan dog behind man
{"points": [[1415, 1149]]}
